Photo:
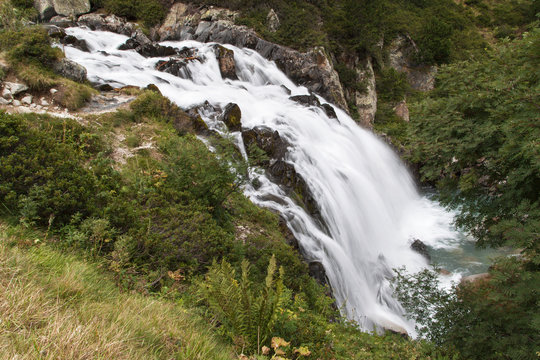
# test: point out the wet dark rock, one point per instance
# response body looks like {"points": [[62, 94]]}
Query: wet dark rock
{"points": [[329, 110], [104, 87], [75, 42], [232, 117], [172, 66], [225, 58], [147, 49], [287, 233], [287, 90], [316, 270], [267, 140], [421, 248], [309, 100]]}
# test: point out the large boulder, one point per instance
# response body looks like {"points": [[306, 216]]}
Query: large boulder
{"points": [[45, 9], [15, 88], [71, 8], [225, 58], [70, 69], [232, 117], [267, 140], [141, 44]]}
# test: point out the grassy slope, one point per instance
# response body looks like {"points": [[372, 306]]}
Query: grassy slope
{"points": [[56, 306]]}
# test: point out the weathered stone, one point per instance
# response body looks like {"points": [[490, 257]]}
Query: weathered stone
{"points": [[272, 20], [225, 58], [147, 48], [70, 69], [16, 103], [71, 8], [15, 88], [44, 102], [174, 66], [53, 91], [364, 99], [5, 101], [27, 99], [110, 23], [267, 140], [61, 21], [75, 42], [402, 110], [421, 248], [232, 117], [45, 9]]}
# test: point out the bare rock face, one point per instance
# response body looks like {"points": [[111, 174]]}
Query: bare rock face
{"points": [[312, 69], [71, 8], [232, 117], [421, 248], [402, 55], [225, 58]]}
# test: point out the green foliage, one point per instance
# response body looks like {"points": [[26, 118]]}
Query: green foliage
{"points": [[349, 78], [495, 318], [30, 45], [392, 85], [434, 41], [247, 315], [476, 136], [150, 12]]}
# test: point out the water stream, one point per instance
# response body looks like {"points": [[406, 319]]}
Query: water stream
{"points": [[367, 199]]}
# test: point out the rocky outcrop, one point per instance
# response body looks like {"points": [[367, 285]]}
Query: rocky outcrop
{"points": [[70, 69], [312, 69], [70, 8], [107, 23], [232, 117], [402, 55], [225, 58], [311, 100], [75, 42]]}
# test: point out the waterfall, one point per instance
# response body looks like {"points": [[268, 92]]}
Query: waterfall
{"points": [[367, 200]]}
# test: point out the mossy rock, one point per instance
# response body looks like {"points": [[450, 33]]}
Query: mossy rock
{"points": [[232, 117]]}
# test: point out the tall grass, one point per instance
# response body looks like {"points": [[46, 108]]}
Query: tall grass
{"points": [[55, 306]]}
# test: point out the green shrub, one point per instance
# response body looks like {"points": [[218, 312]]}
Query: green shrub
{"points": [[150, 12], [30, 45], [392, 85]]}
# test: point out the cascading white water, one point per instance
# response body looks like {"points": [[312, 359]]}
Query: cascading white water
{"points": [[366, 197]]}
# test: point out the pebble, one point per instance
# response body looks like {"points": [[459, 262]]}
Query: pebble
{"points": [[44, 102], [53, 91]]}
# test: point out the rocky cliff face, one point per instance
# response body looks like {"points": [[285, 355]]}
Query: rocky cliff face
{"points": [[312, 69], [69, 8]]}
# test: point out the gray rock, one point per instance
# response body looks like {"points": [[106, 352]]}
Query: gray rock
{"points": [[44, 102], [273, 21], [53, 91], [15, 88], [107, 23], [27, 99], [5, 101], [75, 42], [70, 69], [61, 21], [402, 110], [6, 94], [45, 9], [54, 31], [316, 270], [16, 103], [71, 8]]}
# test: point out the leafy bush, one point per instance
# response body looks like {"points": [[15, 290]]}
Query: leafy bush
{"points": [[494, 318], [30, 45], [150, 12]]}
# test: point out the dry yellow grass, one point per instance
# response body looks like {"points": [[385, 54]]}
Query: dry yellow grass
{"points": [[55, 306]]}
